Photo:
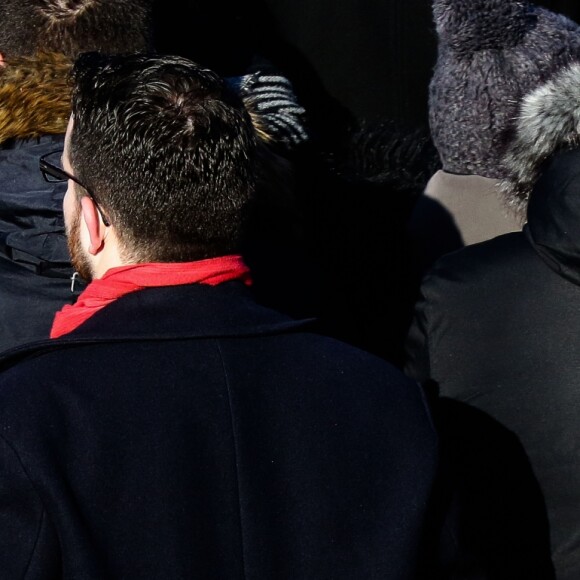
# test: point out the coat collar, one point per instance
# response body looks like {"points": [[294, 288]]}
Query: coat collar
{"points": [[192, 311]]}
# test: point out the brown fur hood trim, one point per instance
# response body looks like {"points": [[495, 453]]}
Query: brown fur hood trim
{"points": [[34, 96]]}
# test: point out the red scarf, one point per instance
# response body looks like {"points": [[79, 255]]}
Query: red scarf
{"points": [[125, 279]]}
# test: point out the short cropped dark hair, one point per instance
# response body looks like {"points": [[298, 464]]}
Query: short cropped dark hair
{"points": [[167, 149], [71, 27]]}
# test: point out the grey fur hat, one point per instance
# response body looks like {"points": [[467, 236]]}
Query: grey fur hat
{"points": [[490, 54], [548, 121]]}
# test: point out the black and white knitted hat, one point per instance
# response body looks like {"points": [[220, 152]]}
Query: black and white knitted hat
{"points": [[276, 114], [490, 54]]}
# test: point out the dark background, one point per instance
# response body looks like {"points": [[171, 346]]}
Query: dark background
{"points": [[350, 61], [371, 60]]}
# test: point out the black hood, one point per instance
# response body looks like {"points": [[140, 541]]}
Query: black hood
{"points": [[553, 225], [31, 220]]}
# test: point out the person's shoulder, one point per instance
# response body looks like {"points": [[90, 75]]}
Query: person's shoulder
{"points": [[354, 377], [30, 359], [478, 270], [497, 252], [351, 364], [29, 376]]}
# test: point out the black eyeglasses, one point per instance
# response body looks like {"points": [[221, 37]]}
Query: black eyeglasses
{"points": [[53, 173]]}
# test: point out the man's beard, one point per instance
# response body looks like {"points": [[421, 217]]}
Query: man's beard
{"points": [[78, 257]]}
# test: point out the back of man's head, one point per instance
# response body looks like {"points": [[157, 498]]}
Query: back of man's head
{"points": [[167, 150], [74, 26]]}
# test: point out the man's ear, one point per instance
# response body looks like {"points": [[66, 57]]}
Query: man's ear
{"points": [[95, 227], [1, 59]]}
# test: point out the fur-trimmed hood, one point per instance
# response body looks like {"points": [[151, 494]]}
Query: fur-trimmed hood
{"points": [[548, 121], [544, 171]]}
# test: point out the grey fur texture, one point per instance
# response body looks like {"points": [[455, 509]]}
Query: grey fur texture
{"points": [[490, 54], [549, 120]]}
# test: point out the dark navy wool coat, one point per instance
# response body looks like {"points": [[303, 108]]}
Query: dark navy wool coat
{"points": [[187, 432]]}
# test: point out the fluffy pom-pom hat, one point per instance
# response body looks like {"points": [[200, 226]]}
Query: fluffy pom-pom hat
{"points": [[490, 54]]}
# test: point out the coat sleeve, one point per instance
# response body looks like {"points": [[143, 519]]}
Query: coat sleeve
{"points": [[21, 517]]}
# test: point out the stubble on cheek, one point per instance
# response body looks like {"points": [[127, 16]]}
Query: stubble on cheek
{"points": [[79, 259]]}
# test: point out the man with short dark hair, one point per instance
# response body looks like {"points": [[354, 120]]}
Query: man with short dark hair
{"points": [[39, 40], [175, 428]]}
